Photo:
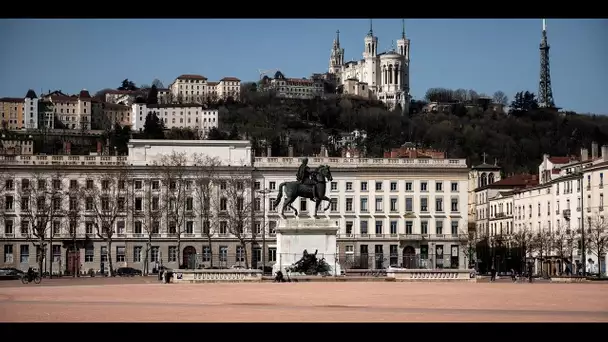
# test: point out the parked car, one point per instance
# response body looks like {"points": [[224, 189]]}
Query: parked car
{"points": [[128, 272], [10, 273]]}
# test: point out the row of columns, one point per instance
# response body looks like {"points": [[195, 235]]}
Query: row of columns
{"points": [[392, 75]]}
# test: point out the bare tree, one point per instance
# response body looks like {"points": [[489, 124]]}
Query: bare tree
{"points": [[471, 240], [150, 218], [76, 198], [597, 234], [171, 169], [40, 205], [500, 98], [107, 197], [563, 243], [204, 180], [524, 240], [238, 203], [542, 243], [159, 85]]}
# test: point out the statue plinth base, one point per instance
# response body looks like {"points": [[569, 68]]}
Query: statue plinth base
{"points": [[294, 235]]}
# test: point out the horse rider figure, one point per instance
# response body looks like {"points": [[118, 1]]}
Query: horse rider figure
{"points": [[306, 177]]}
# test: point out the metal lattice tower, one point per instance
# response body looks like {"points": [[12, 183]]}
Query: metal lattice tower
{"points": [[545, 94]]}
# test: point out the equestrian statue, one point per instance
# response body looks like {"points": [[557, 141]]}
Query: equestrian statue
{"points": [[310, 183]]}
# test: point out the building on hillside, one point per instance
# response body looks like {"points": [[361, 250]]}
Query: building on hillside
{"points": [[72, 112], [124, 97], [17, 145], [12, 112], [20, 113], [196, 89], [192, 116], [480, 105], [345, 139], [384, 76], [293, 88], [407, 212], [410, 150], [107, 114]]}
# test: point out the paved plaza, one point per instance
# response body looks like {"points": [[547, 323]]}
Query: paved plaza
{"points": [[144, 300]]}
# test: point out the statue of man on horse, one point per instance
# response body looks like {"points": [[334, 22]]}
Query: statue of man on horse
{"points": [[310, 183]]}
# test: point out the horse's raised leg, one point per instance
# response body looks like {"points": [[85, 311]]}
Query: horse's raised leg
{"points": [[325, 198], [317, 205], [288, 203]]}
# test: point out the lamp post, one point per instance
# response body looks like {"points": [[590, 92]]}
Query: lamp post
{"points": [[264, 192]]}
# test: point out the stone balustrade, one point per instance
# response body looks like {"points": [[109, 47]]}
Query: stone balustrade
{"points": [[402, 274], [230, 275], [361, 162], [63, 160]]}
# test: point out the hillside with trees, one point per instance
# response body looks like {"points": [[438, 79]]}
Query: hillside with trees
{"points": [[469, 127], [517, 139]]}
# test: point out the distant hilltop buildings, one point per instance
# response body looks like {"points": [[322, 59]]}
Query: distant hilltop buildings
{"points": [[182, 105]]}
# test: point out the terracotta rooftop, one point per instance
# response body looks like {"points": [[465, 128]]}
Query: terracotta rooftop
{"points": [[299, 82], [213, 84], [230, 79], [191, 77], [560, 160], [123, 92], [517, 180], [84, 94], [11, 99]]}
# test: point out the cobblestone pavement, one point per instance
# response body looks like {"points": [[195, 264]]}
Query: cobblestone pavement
{"points": [[134, 300]]}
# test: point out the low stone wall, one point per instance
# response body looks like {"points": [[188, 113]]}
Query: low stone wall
{"points": [[568, 279], [216, 276], [401, 274]]}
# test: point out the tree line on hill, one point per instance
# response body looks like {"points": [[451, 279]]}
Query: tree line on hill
{"points": [[467, 128]]}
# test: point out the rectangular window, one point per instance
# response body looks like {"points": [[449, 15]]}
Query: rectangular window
{"points": [[408, 227], [24, 257], [172, 253], [363, 227], [155, 254], [394, 206], [120, 254], [272, 254], [438, 227], [424, 227], [137, 253], [393, 228], [223, 253], [89, 254], [8, 254]]}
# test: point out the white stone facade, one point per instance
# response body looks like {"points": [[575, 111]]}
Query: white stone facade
{"points": [[384, 76], [395, 207], [176, 116], [197, 89]]}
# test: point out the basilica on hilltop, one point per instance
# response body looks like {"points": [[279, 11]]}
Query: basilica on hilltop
{"points": [[383, 76]]}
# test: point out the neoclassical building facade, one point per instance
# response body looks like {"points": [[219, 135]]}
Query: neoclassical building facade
{"points": [[401, 209]]}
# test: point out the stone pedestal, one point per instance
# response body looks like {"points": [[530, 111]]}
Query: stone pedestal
{"points": [[294, 235]]}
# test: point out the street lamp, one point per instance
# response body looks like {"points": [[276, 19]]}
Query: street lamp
{"points": [[264, 192]]}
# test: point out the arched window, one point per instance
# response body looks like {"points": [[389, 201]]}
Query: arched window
{"points": [[491, 178], [484, 179]]}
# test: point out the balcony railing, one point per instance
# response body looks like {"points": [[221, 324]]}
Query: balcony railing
{"points": [[362, 162], [63, 160]]}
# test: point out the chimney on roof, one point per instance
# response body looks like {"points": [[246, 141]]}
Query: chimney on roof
{"points": [[605, 152], [584, 154], [594, 150], [290, 151], [545, 158]]}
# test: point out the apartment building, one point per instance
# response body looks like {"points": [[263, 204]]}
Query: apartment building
{"points": [[569, 196], [106, 114], [72, 112], [176, 115], [20, 113], [190, 88], [402, 209], [293, 88]]}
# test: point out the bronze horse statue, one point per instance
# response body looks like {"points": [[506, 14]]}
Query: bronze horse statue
{"points": [[293, 190]]}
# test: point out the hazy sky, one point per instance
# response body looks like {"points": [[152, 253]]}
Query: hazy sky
{"points": [[485, 55]]}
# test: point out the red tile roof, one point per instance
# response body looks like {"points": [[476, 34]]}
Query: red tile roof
{"points": [[84, 94], [123, 92], [61, 98], [213, 84], [230, 79], [299, 82], [12, 99], [560, 160], [517, 180], [114, 106], [191, 77]]}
